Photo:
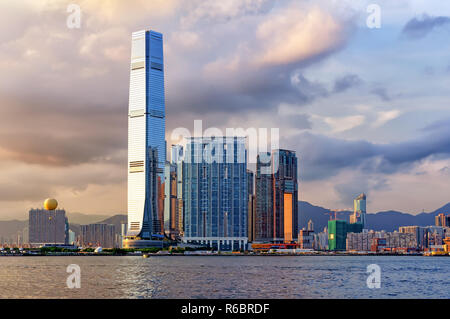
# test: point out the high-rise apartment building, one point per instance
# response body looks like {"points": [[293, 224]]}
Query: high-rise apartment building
{"points": [[171, 212], [146, 136], [420, 234], [176, 154], [215, 192], [359, 211], [48, 227], [263, 199], [251, 206], [285, 196], [310, 225], [337, 233], [306, 239], [95, 235], [276, 195], [442, 220]]}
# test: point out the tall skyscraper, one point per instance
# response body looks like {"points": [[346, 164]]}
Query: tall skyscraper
{"points": [[359, 212], [146, 135], [251, 206], [285, 196], [171, 218], [215, 192], [48, 227], [177, 160], [263, 199], [276, 197]]}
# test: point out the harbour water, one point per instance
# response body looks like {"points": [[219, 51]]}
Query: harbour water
{"points": [[225, 277]]}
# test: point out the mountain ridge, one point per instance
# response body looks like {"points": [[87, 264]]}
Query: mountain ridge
{"points": [[384, 220]]}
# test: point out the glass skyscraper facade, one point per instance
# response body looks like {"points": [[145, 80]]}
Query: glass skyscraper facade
{"points": [[146, 135], [285, 196], [276, 197], [263, 199], [215, 192], [359, 212]]}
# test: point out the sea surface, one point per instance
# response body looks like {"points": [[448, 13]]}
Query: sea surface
{"points": [[225, 277]]}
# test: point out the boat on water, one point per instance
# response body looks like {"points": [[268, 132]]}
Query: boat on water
{"points": [[145, 255]]}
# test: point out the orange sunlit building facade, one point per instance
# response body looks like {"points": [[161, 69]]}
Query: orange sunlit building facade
{"points": [[277, 198]]}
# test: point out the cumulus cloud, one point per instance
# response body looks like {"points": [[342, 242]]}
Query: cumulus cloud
{"points": [[294, 34]]}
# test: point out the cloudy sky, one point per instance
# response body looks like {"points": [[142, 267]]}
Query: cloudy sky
{"points": [[366, 109]]}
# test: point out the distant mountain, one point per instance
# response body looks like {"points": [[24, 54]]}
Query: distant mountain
{"points": [[317, 214], [10, 228], [84, 219], [115, 220], [388, 220]]}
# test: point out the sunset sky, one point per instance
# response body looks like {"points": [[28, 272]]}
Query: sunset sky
{"points": [[367, 110]]}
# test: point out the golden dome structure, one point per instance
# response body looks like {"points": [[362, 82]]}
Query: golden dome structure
{"points": [[50, 204]]}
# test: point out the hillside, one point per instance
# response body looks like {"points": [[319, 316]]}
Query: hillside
{"points": [[388, 220]]}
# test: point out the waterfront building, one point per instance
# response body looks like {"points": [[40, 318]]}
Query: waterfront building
{"points": [[359, 212], [436, 235], [48, 227], [215, 192], [379, 241], [123, 234], [97, 235], [72, 238], [337, 233], [263, 199], [171, 212], [420, 234], [306, 239], [321, 240], [285, 198], [276, 208], [177, 159], [146, 133]]}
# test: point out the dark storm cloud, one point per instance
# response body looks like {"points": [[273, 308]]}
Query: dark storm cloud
{"points": [[322, 156], [262, 90], [346, 82], [419, 27]]}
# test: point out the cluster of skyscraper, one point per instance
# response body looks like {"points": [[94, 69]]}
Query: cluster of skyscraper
{"points": [[196, 198]]}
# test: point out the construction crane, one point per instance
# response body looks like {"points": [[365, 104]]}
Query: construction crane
{"points": [[336, 212]]}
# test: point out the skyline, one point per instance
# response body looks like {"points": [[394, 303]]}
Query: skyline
{"points": [[358, 122]]}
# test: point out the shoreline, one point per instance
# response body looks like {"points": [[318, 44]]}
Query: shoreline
{"points": [[214, 255]]}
